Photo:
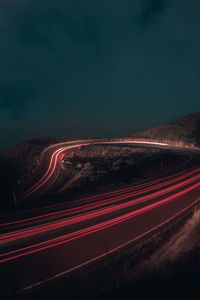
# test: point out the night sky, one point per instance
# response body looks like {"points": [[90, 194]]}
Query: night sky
{"points": [[86, 68]]}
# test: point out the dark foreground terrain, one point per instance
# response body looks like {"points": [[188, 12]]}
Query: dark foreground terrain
{"points": [[98, 168], [86, 171], [163, 266], [17, 165], [183, 131]]}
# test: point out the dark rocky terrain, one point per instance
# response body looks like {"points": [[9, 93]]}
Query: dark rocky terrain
{"points": [[163, 266], [99, 166], [18, 163], [182, 131]]}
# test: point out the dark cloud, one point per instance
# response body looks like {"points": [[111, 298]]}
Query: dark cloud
{"points": [[54, 23], [151, 11], [85, 67]]}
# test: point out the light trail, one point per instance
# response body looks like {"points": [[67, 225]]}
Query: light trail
{"points": [[4, 238], [140, 189], [124, 197], [138, 142], [110, 251], [146, 206], [103, 225], [55, 155], [48, 173]]}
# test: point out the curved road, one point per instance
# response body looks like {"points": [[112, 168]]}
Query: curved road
{"points": [[50, 167], [36, 249]]}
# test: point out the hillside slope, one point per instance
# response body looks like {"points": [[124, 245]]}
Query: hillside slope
{"points": [[18, 163], [184, 131]]}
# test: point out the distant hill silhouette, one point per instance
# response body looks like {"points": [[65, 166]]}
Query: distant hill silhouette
{"points": [[184, 130], [18, 163]]}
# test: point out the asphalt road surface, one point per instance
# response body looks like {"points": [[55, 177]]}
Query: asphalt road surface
{"points": [[38, 248]]}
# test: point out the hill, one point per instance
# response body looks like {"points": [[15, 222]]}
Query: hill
{"points": [[18, 163], [94, 163], [184, 131]]}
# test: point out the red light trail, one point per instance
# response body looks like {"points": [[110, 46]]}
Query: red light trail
{"points": [[118, 218]]}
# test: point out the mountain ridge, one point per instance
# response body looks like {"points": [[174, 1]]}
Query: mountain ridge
{"points": [[184, 131]]}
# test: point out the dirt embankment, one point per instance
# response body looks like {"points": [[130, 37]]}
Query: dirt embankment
{"points": [[101, 168], [18, 163], [184, 131]]}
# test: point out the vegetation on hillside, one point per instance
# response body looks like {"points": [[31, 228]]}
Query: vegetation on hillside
{"points": [[184, 131]]}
